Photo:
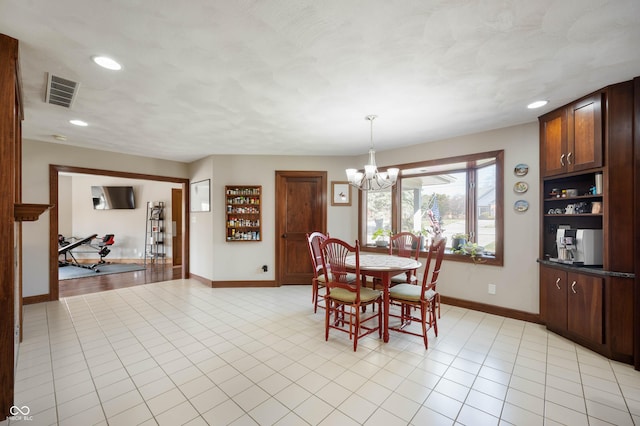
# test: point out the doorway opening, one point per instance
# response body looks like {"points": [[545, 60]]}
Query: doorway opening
{"points": [[159, 272]]}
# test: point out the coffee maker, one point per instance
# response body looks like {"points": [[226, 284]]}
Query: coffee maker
{"points": [[581, 247]]}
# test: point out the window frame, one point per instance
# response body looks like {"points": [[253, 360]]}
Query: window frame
{"points": [[472, 171]]}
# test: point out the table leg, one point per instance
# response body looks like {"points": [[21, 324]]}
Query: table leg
{"points": [[386, 283]]}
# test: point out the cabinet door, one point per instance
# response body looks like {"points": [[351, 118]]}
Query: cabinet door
{"points": [[553, 142], [585, 134], [555, 286], [585, 306]]}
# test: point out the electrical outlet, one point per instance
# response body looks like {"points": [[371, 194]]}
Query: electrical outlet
{"points": [[492, 289]]}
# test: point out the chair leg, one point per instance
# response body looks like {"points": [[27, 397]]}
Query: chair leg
{"points": [[432, 314], [328, 306], [314, 295], [356, 328], [314, 290], [423, 316]]}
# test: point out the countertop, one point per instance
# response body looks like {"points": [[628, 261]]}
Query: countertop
{"points": [[587, 269]]}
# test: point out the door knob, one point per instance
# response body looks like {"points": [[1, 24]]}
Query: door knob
{"points": [[284, 235]]}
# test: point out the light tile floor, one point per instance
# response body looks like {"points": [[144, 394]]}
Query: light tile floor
{"points": [[179, 352]]}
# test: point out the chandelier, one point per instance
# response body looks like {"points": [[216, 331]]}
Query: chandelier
{"points": [[372, 179]]}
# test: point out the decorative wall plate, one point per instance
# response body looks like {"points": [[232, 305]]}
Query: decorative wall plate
{"points": [[520, 187], [521, 206], [521, 170]]}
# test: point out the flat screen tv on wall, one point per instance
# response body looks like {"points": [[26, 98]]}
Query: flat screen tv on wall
{"points": [[112, 197]]}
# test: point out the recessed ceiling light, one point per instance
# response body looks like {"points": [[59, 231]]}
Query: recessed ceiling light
{"points": [[106, 62], [537, 104], [79, 123]]}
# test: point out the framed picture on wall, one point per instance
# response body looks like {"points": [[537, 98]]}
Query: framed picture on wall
{"points": [[200, 196], [340, 193]]}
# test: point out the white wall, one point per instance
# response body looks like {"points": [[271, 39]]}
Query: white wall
{"points": [[36, 158], [201, 226], [219, 260], [65, 206]]}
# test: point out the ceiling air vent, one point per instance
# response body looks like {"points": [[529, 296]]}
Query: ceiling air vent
{"points": [[60, 91]]}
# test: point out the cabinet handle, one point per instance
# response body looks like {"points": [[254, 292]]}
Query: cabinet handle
{"points": [[557, 282], [562, 160], [569, 157], [573, 284]]}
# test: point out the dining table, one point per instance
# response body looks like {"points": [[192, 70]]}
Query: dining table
{"points": [[383, 267]]}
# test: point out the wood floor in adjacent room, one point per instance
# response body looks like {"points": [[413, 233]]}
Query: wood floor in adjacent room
{"points": [[153, 273]]}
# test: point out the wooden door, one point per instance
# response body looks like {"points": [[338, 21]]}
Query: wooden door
{"points": [[553, 142], [585, 307], [176, 225], [301, 207], [554, 283], [585, 134]]}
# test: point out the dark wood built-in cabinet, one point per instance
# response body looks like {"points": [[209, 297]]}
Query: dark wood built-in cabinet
{"points": [[585, 144], [574, 303], [571, 137]]}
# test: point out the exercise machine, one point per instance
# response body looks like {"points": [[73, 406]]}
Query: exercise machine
{"points": [[65, 247], [103, 247]]}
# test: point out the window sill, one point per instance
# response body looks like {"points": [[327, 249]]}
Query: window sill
{"points": [[479, 260]]}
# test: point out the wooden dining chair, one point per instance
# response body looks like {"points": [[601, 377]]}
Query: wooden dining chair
{"points": [[314, 240], [344, 298], [405, 244], [424, 298]]}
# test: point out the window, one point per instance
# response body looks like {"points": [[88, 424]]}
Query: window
{"points": [[463, 195]]}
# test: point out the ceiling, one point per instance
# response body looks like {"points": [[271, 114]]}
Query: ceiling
{"points": [[297, 77]]}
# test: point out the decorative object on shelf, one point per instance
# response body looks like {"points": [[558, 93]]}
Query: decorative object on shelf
{"points": [[521, 206], [200, 196], [521, 170], [520, 187], [340, 193], [596, 207], [598, 184], [372, 179]]}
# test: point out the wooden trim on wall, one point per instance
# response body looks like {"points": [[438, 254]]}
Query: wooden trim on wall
{"points": [[30, 300], [55, 169], [492, 309], [243, 284], [233, 284]]}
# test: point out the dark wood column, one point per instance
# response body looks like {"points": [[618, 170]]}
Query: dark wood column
{"points": [[636, 234], [10, 157]]}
